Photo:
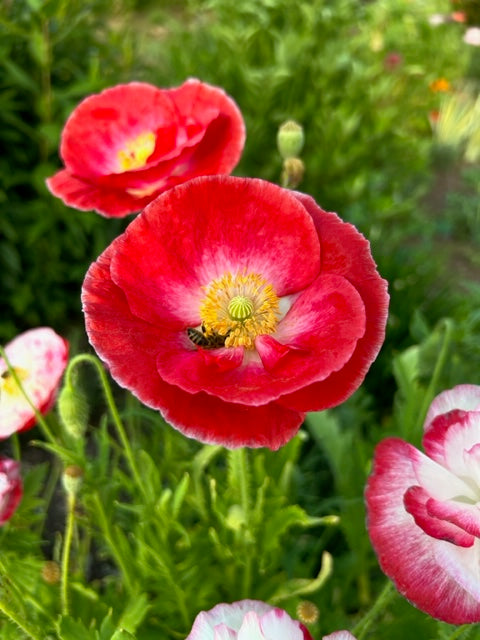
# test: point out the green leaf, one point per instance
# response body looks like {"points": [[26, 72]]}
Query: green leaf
{"points": [[70, 629]]}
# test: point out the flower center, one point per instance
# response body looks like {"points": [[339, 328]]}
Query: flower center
{"points": [[240, 308], [8, 384], [137, 151]]}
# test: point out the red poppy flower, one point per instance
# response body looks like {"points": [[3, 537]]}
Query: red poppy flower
{"points": [[423, 509], [124, 146], [39, 357], [11, 488], [234, 306]]}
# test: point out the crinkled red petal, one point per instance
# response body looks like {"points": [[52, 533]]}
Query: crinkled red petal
{"points": [[323, 327], [345, 252], [197, 232]]}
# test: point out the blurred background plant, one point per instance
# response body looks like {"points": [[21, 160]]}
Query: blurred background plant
{"points": [[376, 85]]}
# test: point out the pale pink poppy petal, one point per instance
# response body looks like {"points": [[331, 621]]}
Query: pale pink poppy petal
{"points": [[278, 625], [39, 357], [340, 635], [464, 396]]}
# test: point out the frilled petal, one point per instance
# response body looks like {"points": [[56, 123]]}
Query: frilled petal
{"points": [[463, 515], [345, 253], [321, 330], [81, 194], [198, 103], [450, 435], [197, 232], [416, 501], [465, 397], [39, 357], [406, 554], [129, 347], [340, 635]]}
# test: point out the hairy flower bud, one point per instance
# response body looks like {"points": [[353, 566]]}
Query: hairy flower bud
{"points": [[51, 572], [72, 479], [72, 408], [290, 139]]}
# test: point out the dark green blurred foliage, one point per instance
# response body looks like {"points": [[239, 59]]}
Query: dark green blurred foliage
{"points": [[53, 53]]}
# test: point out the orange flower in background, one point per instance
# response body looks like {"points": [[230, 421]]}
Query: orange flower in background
{"points": [[440, 85]]}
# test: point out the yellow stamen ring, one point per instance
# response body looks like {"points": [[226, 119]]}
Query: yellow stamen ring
{"points": [[240, 307], [137, 151]]}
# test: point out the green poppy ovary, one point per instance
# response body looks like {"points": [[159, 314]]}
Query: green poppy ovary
{"points": [[240, 308]]}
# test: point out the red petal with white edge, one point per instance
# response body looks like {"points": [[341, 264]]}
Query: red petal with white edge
{"points": [[345, 252], [450, 437], [416, 501], [322, 326], [198, 231], [102, 125], [464, 396], [129, 347], [81, 194], [406, 554]]}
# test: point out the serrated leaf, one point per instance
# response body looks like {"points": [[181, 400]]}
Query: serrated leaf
{"points": [[134, 612], [70, 629]]}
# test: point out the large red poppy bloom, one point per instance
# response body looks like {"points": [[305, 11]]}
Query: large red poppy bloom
{"points": [[124, 146], [234, 306]]}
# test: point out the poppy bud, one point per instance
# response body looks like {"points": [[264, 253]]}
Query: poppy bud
{"points": [[290, 139], [72, 408], [72, 479], [51, 572]]}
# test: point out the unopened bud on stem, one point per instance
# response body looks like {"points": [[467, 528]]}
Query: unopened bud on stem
{"points": [[290, 139]]}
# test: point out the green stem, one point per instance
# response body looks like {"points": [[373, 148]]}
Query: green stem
{"points": [[84, 357], [440, 363], [67, 544], [42, 423], [24, 626], [363, 625], [245, 501]]}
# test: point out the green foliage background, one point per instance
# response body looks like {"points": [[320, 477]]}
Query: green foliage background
{"points": [[207, 525]]}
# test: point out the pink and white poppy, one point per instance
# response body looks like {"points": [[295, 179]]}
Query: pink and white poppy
{"points": [[424, 509], [247, 620], [126, 145], [39, 357], [11, 488], [340, 635], [234, 306]]}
